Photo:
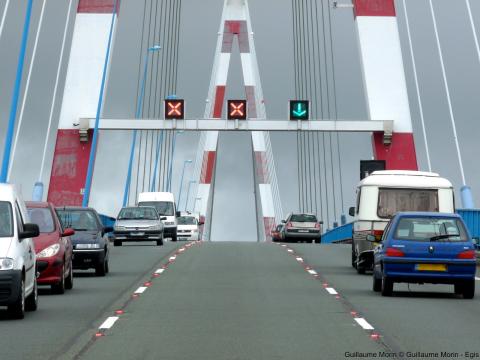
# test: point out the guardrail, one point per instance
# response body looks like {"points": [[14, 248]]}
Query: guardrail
{"points": [[341, 234]]}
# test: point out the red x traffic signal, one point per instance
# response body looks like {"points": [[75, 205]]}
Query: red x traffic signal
{"points": [[174, 109], [237, 109]]}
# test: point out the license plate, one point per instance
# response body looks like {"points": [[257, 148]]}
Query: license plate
{"points": [[303, 231], [138, 234], [431, 267]]}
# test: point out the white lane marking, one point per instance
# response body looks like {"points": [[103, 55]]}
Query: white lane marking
{"points": [[364, 324], [477, 278], [290, 250], [313, 272], [299, 259], [331, 291], [172, 258], [107, 324], [159, 271], [140, 290], [181, 249]]}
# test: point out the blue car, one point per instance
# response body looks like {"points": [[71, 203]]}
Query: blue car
{"points": [[420, 247]]}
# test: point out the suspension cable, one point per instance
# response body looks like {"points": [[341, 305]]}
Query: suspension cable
{"points": [[449, 99], [27, 88], [417, 87], [2, 22]]}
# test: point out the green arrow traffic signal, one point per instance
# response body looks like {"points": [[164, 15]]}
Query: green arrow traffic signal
{"points": [[299, 110]]}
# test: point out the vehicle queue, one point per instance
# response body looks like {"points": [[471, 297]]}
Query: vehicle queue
{"points": [[404, 230]]}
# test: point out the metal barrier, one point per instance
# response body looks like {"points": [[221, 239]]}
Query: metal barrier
{"points": [[341, 234]]}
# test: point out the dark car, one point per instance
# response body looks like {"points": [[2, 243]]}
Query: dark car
{"points": [[53, 248], [276, 233], [90, 242], [302, 228], [425, 248]]}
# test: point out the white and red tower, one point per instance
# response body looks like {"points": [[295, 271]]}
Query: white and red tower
{"points": [[384, 80], [236, 24], [80, 100]]}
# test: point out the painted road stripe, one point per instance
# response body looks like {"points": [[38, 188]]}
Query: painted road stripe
{"points": [[140, 290], [159, 271], [181, 250], [331, 291], [172, 258], [107, 324], [290, 250], [477, 278], [364, 324], [313, 272], [299, 259]]}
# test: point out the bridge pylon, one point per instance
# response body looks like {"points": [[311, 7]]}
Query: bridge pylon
{"points": [[236, 24]]}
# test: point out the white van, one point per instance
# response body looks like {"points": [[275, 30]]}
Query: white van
{"points": [[188, 227], [18, 278], [164, 202], [384, 193]]}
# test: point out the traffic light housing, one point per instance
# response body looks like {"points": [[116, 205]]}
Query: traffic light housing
{"points": [[174, 109], [237, 109], [299, 110]]}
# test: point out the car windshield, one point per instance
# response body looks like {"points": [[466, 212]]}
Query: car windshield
{"points": [[187, 220], [6, 223], [391, 201], [138, 213], [43, 218], [163, 207], [430, 229], [303, 218], [79, 220]]}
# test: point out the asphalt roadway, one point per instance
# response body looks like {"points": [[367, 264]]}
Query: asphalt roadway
{"points": [[241, 301]]}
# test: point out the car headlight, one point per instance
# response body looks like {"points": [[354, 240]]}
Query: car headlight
{"points": [[87, 246], [50, 251], [6, 264], [155, 227]]}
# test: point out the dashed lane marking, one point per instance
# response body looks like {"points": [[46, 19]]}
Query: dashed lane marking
{"points": [[299, 259], [140, 290], [172, 258], [331, 291], [159, 271], [364, 324], [107, 324], [477, 278], [313, 272]]}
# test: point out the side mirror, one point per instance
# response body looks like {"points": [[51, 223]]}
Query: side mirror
{"points": [[201, 222], [371, 238], [177, 214], [68, 232], [163, 218], [29, 231], [351, 211], [320, 222], [284, 221], [107, 229]]}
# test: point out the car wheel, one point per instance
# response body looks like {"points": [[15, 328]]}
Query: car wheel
{"points": [[101, 268], [468, 289], [31, 302], [60, 287], [117, 243], [174, 237], [160, 242], [458, 289], [354, 257], [377, 283], [69, 279], [360, 270], [17, 309], [318, 241], [387, 286]]}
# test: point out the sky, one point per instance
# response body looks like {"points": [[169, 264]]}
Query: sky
{"points": [[234, 206]]}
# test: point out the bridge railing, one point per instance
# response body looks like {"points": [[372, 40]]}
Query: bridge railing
{"points": [[339, 234]]}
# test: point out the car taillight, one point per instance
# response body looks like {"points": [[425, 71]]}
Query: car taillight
{"points": [[317, 226], [378, 234], [394, 252], [289, 225], [468, 254]]}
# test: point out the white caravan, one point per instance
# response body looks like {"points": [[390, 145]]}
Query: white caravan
{"points": [[384, 193], [18, 280], [164, 202]]}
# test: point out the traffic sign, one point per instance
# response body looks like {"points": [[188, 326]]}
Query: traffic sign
{"points": [[299, 110], [237, 109], [174, 109]]}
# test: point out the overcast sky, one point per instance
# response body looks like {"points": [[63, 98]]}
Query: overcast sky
{"points": [[234, 208]]}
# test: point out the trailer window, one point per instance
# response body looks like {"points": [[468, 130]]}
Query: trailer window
{"points": [[391, 201]]}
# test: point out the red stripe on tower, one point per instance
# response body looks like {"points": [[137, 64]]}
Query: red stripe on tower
{"points": [[400, 155], [261, 167], [269, 225], [208, 165], [374, 7], [219, 99], [97, 6]]}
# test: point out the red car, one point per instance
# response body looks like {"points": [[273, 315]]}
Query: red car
{"points": [[53, 248]]}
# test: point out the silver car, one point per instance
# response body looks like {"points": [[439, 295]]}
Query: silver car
{"points": [[302, 227], [138, 224]]}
